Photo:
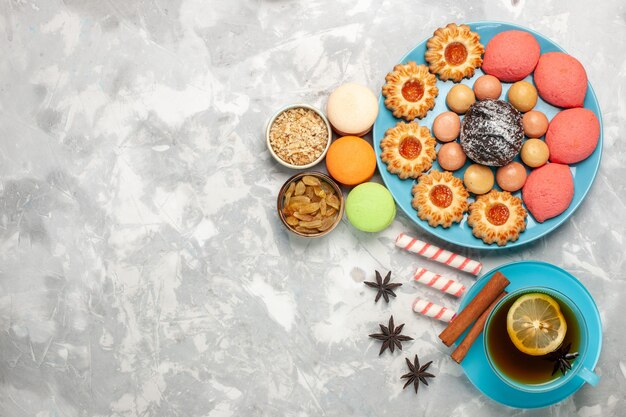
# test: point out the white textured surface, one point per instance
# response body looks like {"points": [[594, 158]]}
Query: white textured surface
{"points": [[143, 270]]}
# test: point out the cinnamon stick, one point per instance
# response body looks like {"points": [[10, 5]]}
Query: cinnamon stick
{"points": [[461, 350], [475, 308]]}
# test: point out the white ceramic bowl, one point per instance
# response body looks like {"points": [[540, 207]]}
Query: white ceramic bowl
{"points": [[269, 145]]}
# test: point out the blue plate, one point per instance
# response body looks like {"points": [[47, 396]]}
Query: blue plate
{"points": [[522, 275], [583, 172]]}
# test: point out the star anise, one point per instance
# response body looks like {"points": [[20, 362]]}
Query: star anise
{"points": [[418, 373], [562, 358], [384, 287], [390, 336]]}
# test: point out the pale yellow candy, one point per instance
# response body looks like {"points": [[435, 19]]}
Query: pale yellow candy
{"points": [[523, 96], [478, 179], [535, 153], [460, 98]]}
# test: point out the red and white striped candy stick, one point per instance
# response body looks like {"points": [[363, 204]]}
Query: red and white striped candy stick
{"points": [[436, 281], [428, 309], [445, 257]]}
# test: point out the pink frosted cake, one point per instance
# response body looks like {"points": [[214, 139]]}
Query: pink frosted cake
{"points": [[572, 135], [511, 56], [561, 80], [548, 191]]}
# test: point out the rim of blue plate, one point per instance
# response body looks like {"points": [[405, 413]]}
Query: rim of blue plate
{"points": [[591, 360], [559, 221]]}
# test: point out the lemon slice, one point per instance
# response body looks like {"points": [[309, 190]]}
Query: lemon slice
{"points": [[535, 324]]}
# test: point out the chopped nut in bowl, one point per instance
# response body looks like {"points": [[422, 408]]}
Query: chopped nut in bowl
{"points": [[310, 204], [298, 136]]}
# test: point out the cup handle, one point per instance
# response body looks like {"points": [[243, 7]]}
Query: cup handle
{"points": [[588, 376]]}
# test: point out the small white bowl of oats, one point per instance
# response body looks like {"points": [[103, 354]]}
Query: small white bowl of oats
{"points": [[298, 136]]}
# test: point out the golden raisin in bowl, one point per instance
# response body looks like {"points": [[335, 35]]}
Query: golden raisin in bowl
{"points": [[310, 204]]}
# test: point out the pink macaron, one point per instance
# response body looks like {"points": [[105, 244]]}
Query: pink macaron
{"points": [[572, 135], [561, 80], [548, 191], [511, 55]]}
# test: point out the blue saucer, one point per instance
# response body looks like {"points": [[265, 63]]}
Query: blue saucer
{"points": [[584, 172], [532, 274]]}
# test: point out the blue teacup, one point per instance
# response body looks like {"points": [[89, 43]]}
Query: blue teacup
{"points": [[576, 319]]}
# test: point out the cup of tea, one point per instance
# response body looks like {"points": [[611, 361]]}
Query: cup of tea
{"points": [[518, 351]]}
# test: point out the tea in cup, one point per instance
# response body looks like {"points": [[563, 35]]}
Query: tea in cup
{"points": [[536, 340]]}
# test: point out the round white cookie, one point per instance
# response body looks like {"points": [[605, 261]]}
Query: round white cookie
{"points": [[352, 110]]}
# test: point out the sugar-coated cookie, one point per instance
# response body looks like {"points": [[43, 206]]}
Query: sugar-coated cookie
{"points": [[572, 135], [548, 191], [492, 132], [561, 80], [511, 56]]}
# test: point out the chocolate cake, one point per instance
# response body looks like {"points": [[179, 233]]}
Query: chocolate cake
{"points": [[492, 132]]}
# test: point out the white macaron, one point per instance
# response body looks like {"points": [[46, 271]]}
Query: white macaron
{"points": [[352, 110]]}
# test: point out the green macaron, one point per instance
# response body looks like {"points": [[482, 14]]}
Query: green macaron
{"points": [[370, 207]]}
